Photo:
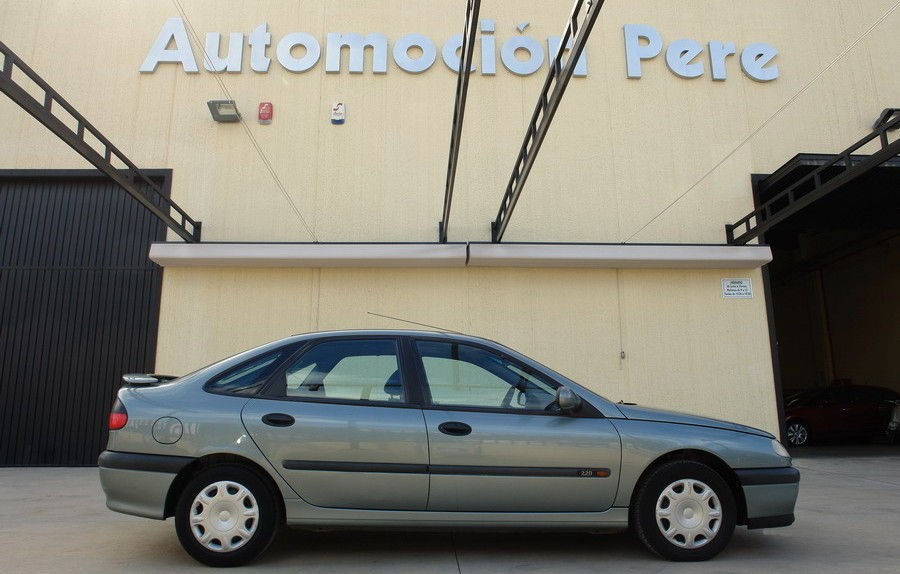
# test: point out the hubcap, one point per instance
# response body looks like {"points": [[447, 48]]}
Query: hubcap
{"points": [[797, 434], [688, 513], [224, 516]]}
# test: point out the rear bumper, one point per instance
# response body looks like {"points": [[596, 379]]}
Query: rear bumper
{"points": [[771, 494], [138, 484]]}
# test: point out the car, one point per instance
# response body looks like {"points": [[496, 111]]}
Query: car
{"points": [[416, 429], [838, 411]]}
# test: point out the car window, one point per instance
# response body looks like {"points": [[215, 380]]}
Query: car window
{"points": [[468, 376], [247, 377], [356, 369]]}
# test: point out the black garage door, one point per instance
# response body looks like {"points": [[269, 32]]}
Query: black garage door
{"points": [[79, 306]]}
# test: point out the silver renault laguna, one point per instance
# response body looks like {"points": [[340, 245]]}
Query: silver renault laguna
{"points": [[414, 429]]}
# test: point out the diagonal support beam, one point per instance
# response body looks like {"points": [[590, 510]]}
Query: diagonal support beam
{"points": [[548, 102], [818, 184], [131, 179], [473, 7]]}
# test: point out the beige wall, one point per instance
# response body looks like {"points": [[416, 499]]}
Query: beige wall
{"points": [[686, 347], [619, 153]]}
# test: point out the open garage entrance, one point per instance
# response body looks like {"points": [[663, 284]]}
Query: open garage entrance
{"points": [[835, 286]]}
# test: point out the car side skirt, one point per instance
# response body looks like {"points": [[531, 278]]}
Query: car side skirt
{"points": [[302, 514]]}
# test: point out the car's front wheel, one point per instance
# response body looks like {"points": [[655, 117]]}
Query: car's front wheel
{"points": [[684, 511], [226, 516]]}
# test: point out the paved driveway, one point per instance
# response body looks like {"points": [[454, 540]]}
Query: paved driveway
{"points": [[848, 520]]}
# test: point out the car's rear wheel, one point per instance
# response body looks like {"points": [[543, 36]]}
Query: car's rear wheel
{"points": [[684, 511], [226, 516], [797, 433]]}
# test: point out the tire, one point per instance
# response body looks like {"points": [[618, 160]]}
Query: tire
{"points": [[797, 433], [227, 515], [683, 511]]}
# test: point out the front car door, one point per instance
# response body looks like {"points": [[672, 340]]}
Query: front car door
{"points": [[340, 426], [497, 443]]}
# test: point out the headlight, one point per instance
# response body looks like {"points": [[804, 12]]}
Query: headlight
{"points": [[779, 449]]}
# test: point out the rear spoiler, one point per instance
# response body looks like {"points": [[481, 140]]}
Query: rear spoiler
{"points": [[146, 379]]}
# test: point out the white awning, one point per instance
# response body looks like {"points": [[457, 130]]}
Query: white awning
{"points": [[309, 254], [598, 256], [618, 256]]}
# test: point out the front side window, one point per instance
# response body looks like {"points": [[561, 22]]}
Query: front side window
{"points": [[357, 370], [468, 376]]}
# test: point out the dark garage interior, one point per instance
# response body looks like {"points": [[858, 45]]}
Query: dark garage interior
{"points": [[835, 280]]}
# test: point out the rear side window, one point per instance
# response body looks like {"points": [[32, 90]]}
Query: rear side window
{"points": [[248, 377], [347, 370]]}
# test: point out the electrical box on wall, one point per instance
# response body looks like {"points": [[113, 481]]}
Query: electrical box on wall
{"points": [[265, 113], [337, 113]]}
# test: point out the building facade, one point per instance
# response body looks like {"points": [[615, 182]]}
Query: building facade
{"points": [[674, 108]]}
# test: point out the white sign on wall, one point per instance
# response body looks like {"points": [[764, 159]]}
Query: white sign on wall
{"points": [[737, 288]]}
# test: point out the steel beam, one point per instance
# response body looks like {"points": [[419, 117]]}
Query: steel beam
{"points": [[793, 198], [134, 181], [548, 102], [473, 7]]}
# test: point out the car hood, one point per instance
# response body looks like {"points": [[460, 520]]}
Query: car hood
{"points": [[635, 412]]}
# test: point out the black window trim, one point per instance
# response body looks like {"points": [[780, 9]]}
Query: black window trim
{"points": [[587, 410], [207, 386], [413, 393]]}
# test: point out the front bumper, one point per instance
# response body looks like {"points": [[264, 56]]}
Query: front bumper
{"points": [[771, 494], [138, 484]]}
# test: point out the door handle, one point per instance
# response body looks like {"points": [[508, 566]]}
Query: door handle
{"points": [[278, 420], [455, 428]]}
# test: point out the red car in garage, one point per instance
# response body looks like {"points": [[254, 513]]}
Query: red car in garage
{"points": [[837, 412]]}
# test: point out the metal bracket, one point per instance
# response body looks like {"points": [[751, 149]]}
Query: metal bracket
{"points": [[134, 181], [886, 117], [551, 95]]}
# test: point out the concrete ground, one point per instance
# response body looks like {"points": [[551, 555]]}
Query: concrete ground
{"points": [[848, 520]]}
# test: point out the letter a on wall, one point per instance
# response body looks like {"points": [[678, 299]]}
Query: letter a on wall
{"points": [[172, 30]]}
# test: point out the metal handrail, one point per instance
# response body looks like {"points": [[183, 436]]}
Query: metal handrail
{"points": [[150, 195], [473, 7], [548, 102], [767, 215]]}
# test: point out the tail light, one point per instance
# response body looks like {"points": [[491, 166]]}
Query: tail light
{"points": [[118, 416]]}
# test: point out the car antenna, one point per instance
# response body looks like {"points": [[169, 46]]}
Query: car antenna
{"points": [[415, 323]]}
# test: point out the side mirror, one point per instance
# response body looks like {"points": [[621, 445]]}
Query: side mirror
{"points": [[567, 400]]}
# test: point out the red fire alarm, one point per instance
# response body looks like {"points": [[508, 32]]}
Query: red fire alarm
{"points": [[265, 112]]}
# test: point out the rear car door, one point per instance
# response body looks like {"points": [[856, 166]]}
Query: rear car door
{"points": [[498, 445], [341, 427]]}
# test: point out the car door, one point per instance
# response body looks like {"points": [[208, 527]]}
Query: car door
{"points": [[341, 427], [498, 445]]}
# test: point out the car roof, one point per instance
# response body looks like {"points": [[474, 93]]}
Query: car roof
{"points": [[397, 333]]}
